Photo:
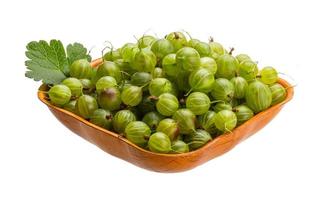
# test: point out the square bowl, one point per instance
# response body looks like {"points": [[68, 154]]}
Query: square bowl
{"points": [[120, 147]]}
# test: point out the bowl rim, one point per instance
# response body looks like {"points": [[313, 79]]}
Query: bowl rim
{"points": [[42, 97]]}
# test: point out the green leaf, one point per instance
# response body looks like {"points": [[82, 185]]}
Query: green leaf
{"points": [[76, 51], [47, 62]]}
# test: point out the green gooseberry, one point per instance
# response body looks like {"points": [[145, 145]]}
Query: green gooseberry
{"points": [[112, 55], [242, 57], [209, 64], [185, 119], [131, 95], [227, 66], [146, 41], [243, 113], [188, 59], [169, 65], [158, 73], [177, 39], [75, 86], [278, 93], [269, 75], [240, 85], [88, 86], [179, 146], [158, 86], [144, 61], [201, 80], [222, 106], [222, 89], [248, 70], [152, 119], [60, 94], [203, 48], [216, 49], [169, 127], [138, 133], [161, 48], [85, 106], [146, 105], [183, 81], [198, 103], [225, 120], [108, 68], [141, 79], [258, 96], [70, 106], [159, 143], [125, 68], [207, 121], [193, 42], [121, 119], [81, 69], [128, 52], [105, 82], [197, 139], [109, 99], [102, 118], [167, 104]]}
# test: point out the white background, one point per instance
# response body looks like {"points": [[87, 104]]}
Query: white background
{"points": [[41, 159]]}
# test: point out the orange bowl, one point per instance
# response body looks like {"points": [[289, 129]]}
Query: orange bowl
{"points": [[120, 147]]}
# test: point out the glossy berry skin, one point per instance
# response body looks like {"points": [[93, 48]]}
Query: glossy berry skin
{"points": [[188, 59], [258, 96], [243, 113], [159, 143], [88, 86], [144, 61], [121, 119], [269, 75], [161, 48], [242, 57], [146, 41], [81, 69], [132, 95], [109, 99], [225, 120], [138, 133], [185, 119], [167, 104], [198, 103], [227, 66], [102, 118], [222, 89], [105, 82], [112, 55], [152, 119], [108, 68], [248, 70], [240, 85], [222, 106], [169, 65], [206, 121], [203, 49], [158, 86], [75, 86], [70, 106], [60, 94], [179, 146], [201, 80], [278, 93], [209, 64], [158, 73], [169, 127], [85, 106], [197, 139], [177, 39], [216, 49], [140, 79]]}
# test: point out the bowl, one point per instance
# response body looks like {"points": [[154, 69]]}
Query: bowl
{"points": [[120, 147]]}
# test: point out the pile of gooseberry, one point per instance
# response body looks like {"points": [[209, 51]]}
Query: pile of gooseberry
{"points": [[171, 94]]}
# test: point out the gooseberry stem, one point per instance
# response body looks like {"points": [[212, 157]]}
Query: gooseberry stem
{"points": [[231, 50], [211, 39]]}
